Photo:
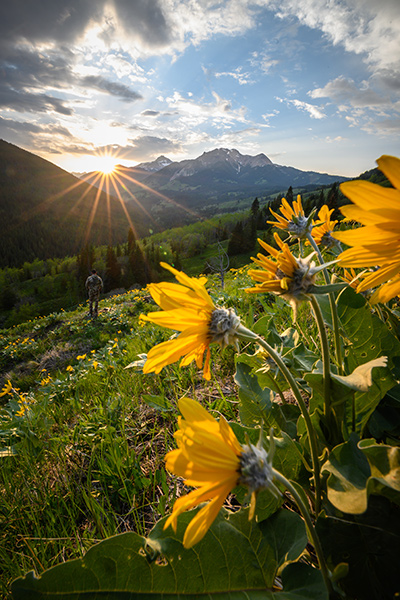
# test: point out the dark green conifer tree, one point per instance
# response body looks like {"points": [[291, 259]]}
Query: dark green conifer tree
{"points": [[113, 271]]}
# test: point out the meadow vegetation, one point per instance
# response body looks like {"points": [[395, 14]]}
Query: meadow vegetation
{"points": [[300, 407]]}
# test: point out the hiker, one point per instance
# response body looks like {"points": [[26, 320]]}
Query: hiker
{"points": [[94, 285]]}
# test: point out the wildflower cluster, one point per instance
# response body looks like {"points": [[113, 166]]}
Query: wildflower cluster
{"points": [[23, 400]]}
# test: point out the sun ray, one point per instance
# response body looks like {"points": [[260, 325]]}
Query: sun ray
{"points": [[92, 215]]}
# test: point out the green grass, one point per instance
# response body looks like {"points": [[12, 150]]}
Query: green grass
{"points": [[83, 438]]}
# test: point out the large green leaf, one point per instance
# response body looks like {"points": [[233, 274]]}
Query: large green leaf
{"points": [[357, 470], [369, 336], [236, 560], [257, 404]]}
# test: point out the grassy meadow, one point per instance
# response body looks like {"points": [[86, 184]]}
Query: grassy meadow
{"points": [[83, 438]]}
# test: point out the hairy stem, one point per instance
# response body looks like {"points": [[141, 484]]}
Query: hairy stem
{"points": [[247, 334], [313, 536], [334, 313]]}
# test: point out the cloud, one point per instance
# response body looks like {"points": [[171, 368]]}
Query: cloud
{"points": [[26, 127], [24, 72], [241, 78], [345, 90], [311, 109], [98, 82], [360, 26], [384, 127], [219, 111], [27, 102]]}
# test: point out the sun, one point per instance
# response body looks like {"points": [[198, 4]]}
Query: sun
{"points": [[106, 164]]}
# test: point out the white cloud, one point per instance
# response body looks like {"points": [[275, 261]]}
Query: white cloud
{"points": [[314, 111], [360, 26], [241, 78], [219, 111]]}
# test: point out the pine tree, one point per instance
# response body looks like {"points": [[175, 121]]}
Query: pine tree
{"points": [[289, 195], [113, 270], [236, 241]]}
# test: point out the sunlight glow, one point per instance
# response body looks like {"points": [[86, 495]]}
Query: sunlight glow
{"points": [[106, 164]]}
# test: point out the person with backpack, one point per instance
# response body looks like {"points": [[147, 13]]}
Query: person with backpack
{"points": [[94, 285]]}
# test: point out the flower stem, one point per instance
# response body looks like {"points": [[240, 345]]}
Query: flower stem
{"points": [[310, 527], [246, 333], [332, 303], [325, 356]]}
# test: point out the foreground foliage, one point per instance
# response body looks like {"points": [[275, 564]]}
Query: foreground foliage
{"points": [[314, 510]]}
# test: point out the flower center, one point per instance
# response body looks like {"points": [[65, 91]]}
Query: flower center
{"points": [[255, 468], [223, 326]]}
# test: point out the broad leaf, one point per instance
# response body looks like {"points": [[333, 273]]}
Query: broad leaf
{"points": [[236, 560], [357, 470]]}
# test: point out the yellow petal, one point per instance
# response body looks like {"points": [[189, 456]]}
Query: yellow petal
{"points": [[370, 196], [390, 166]]}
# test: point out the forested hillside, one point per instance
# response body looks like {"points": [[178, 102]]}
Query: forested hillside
{"points": [[45, 212]]}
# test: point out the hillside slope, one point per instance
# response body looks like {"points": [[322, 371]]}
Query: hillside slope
{"points": [[47, 212]]}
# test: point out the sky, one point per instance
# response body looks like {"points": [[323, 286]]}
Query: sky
{"points": [[313, 84]]}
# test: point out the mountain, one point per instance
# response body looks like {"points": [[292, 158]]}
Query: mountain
{"points": [[217, 181], [46, 212], [213, 183], [155, 165]]}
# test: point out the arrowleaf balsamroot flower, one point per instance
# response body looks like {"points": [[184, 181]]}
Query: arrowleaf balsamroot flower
{"points": [[211, 459], [293, 220], [322, 233], [377, 243], [287, 276], [188, 308]]}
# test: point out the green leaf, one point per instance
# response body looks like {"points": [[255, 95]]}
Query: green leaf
{"points": [[158, 402], [257, 405], [254, 402], [357, 470], [348, 470], [361, 378], [326, 289], [238, 559]]}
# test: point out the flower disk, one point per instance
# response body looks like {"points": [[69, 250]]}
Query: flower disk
{"points": [[208, 457], [377, 243]]}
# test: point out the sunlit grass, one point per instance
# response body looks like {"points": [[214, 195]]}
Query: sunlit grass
{"points": [[86, 459]]}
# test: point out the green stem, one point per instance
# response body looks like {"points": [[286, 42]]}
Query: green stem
{"points": [[333, 307], [312, 534], [325, 357], [246, 333]]}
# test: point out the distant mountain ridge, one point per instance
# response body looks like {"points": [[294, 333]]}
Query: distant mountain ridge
{"points": [[208, 184]]}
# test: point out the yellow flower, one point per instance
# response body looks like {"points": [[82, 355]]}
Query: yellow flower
{"points": [[293, 220], [377, 243], [6, 389], [210, 458], [188, 308], [351, 277], [69, 368], [322, 233], [287, 276]]}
